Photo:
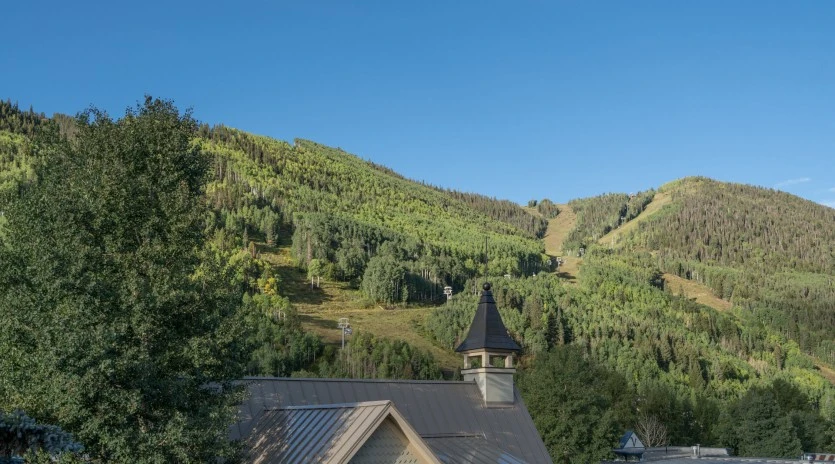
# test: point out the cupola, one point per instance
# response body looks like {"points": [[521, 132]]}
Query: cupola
{"points": [[488, 353]]}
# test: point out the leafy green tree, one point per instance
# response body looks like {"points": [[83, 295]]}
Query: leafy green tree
{"points": [[385, 280], [547, 208], [572, 405], [759, 428], [117, 327], [314, 271]]}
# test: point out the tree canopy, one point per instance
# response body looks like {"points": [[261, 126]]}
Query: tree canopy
{"points": [[115, 326]]}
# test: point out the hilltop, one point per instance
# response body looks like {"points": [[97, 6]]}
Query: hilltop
{"points": [[766, 252]]}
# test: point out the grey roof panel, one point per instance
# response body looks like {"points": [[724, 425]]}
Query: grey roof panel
{"points": [[471, 450], [488, 329], [433, 408], [318, 434]]}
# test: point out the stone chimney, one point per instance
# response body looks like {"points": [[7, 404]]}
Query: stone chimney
{"points": [[488, 353]]}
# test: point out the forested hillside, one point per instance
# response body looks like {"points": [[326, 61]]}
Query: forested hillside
{"points": [[706, 375], [151, 294], [340, 207], [342, 212], [684, 364], [596, 216], [769, 253], [503, 210], [612, 348]]}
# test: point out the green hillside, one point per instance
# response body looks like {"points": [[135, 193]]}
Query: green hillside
{"points": [[596, 216], [769, 253], [279, 217], [695, 368], [343, 208]]}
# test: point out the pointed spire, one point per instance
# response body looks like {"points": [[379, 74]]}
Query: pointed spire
{"points": [[487, 330]]}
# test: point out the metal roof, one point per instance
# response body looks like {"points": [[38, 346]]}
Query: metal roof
{"points": [[470, 449], [630, 440], [487, 330], [437, 410], [329, 433]]}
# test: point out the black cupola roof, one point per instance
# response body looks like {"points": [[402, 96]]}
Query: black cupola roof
{"points": [[487, 330]]}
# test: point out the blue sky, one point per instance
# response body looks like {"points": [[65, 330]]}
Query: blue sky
{"points": [[517, 100]]}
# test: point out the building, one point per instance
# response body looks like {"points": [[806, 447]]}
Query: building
{"points": [[630, 446], [481, 419]]}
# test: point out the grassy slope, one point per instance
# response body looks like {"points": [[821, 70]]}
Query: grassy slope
{"points": [[320, 309], [555, 235], [696, 291]]}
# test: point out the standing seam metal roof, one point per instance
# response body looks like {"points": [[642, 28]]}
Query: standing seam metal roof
{"points": [[331, 433], [437, 410], [469, 449]]}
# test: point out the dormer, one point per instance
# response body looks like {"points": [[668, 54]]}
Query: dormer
{"points": [[488, 353]]}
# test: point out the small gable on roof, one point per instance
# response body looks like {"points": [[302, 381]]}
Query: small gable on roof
{"points": [[630, 440], [371, 432], [388, 444]]}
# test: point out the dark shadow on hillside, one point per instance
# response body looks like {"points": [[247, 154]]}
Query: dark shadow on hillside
{"points": [[294, 285], [312, 320], [566, 276], [284, 237]]}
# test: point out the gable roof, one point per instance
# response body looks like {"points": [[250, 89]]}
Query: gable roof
{"points": [[630, 440], [438, 411], [331, 433], [487, 330]]}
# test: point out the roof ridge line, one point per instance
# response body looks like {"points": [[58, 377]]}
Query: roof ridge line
{"points": [[454, 435], [318, 379], [334, 405]]}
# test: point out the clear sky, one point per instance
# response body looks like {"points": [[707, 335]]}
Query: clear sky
{"points": [[517, 100]]}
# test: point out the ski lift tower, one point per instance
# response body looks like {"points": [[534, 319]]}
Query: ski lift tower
{"points": [[448, 292], [346, 329]]}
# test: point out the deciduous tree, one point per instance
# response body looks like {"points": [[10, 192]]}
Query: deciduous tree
{"points": [[114, 326]]}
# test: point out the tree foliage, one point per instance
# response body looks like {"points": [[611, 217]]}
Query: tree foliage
{"points": [[340, 211], [115, 326], [506, 211], [574, 404], [686, 363], [369, 357], [21, 435], [755, 427], [385, 280], [547, 209], [596, 216], [772, 254]]}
